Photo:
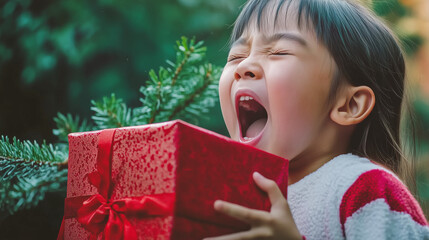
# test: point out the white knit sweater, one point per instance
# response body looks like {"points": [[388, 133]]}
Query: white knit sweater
{"points": [[353, 198]]}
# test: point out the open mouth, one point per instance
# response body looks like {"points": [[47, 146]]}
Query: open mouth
{"points": [[252, 117]]}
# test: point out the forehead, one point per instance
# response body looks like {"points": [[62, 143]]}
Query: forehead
{"points": [[269, 18]]}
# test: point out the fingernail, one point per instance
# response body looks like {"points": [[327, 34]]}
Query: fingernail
{"points": [[217, 204], [256, 174]]}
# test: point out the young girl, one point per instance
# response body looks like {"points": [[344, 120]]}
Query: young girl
{"points": [[320, 82]]}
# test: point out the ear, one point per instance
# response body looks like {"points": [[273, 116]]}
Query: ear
{"points": [[353, 105]]}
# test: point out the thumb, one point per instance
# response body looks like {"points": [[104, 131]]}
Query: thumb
{"points": [[270, 187]]}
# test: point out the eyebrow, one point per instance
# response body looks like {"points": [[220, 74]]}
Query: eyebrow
{"points": [[274, 38], [240, 41], [286, 36]]}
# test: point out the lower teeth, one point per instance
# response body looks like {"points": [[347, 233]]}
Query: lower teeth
{"points": [[246, 138]]}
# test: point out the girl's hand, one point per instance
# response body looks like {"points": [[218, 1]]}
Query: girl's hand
{"points": [[276, 224]]}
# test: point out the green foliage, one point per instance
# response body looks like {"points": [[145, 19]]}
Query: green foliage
{"points": [[27, 172], [186, 89], [393, 11], [390, 9], [67, 124], [95, 46], [30, 151], [111, 113], [422, 114], [195, 97], [411, 43], [423, 185], [25, 183]]}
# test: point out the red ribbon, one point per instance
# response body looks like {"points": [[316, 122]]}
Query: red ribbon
{"points": [[98, 214], [110, 217]]}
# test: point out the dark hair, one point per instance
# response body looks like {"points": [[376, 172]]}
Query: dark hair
{"points": [[366, 53]]}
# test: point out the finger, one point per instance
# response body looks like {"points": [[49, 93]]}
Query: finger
{"points": [[270, 187], [244, 214]]}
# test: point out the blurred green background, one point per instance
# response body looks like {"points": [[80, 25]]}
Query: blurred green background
{"points": [[56, 56]]}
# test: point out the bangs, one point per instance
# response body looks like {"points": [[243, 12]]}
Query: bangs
{"points": [[331, 21], [263, 15]]}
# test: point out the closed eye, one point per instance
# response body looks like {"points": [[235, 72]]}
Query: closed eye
{"points": [[279, 53], [232, 58]]}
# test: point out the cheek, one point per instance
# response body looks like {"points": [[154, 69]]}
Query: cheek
{"points": [[299, 89], [295, 105], [224, 90], [226, 104]]}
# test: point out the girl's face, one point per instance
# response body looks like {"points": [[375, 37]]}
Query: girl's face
{"points": [[274, 89]]}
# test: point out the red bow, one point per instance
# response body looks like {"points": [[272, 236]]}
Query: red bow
{"points": [[98, 215]]}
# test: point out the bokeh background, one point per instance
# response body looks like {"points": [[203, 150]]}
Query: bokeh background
{"points": [[58, 55]]}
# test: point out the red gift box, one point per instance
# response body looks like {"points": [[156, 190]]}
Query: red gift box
{"points": [[160, 181]]}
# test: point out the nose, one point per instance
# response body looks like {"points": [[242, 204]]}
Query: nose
{"points": [[248, 69]]}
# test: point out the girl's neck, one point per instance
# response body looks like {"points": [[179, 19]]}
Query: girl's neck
{"points": [[301, 166], [332, 140]]}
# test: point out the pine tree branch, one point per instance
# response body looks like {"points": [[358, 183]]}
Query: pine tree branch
{"points": [[24, 184], [165, 94], [59, 165], [30, 151], [190, 98], [67, 124], [156, 106], [27, 172], [111, 113], [181, 65]]}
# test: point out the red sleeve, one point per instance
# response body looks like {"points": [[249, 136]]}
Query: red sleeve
{"points": [[379, 184]]}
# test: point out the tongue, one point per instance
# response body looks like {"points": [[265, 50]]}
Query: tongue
{"points": [[256, 127]]}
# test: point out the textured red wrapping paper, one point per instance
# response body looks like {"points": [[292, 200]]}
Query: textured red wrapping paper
{"points": [[196, 165]]}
